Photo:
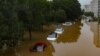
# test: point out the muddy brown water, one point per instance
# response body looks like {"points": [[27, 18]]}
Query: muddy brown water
{"points": [[80, 39]]}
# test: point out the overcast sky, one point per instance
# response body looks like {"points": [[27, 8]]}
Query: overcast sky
{"points": [[84, 2]]}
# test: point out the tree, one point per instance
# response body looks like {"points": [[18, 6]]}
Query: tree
{"points": [[71, 7], [89, 14], [11, 28], [33, 14], [60, 16]]}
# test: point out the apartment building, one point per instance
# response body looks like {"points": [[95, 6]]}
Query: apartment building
{"points": [[87, 8], [94, 7], [98, 8]]}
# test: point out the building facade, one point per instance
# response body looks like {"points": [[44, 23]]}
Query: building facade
{"points": [[94, 7], [87, 8], [98, 8]]}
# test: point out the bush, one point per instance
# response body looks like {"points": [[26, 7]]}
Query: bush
{"points": [[89, 14]]}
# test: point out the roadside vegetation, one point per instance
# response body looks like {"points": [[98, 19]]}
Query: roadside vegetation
{"points": [[91, 14]]}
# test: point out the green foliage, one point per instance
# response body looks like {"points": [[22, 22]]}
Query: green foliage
{"points": [[60, 16], [89, 14], [72, 8], [10, 26], [16, 16]]}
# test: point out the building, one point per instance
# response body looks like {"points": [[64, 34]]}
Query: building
{"points": [[94, 7], [98, 8], [96, 30], [87, 8]]}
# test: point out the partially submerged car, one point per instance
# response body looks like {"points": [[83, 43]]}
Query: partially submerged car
{"points": [[52, 36], [59, 30], [38, 47], [67, 24]]}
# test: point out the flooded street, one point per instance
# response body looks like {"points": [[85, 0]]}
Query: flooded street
{"points": [[79, 39], [83, 45]]}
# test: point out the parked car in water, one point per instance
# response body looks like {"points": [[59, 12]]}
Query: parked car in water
{"points": [[59, 30], [52, 36], [67, 24]]}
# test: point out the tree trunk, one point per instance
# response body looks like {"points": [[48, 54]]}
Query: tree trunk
{"points": [[30, 34], [42, 27]]}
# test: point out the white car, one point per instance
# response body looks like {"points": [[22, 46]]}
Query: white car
{"points": [[52, 36], [67, 24], [59, 30]]}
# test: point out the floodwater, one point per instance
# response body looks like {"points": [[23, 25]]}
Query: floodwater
{"points": [[80, 39]]}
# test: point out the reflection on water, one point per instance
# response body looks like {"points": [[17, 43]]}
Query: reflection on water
{"points": [[84, 45], [10, 52], [71, 33], [77, 40], [24, 50], [96, 29]]}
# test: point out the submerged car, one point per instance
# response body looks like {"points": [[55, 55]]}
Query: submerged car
{"points": [[38, 47], [59, 30], [67, 24], [52, 36]]}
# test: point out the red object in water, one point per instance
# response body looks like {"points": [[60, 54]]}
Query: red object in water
{"points": [[40, 44], [34, 48]]}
